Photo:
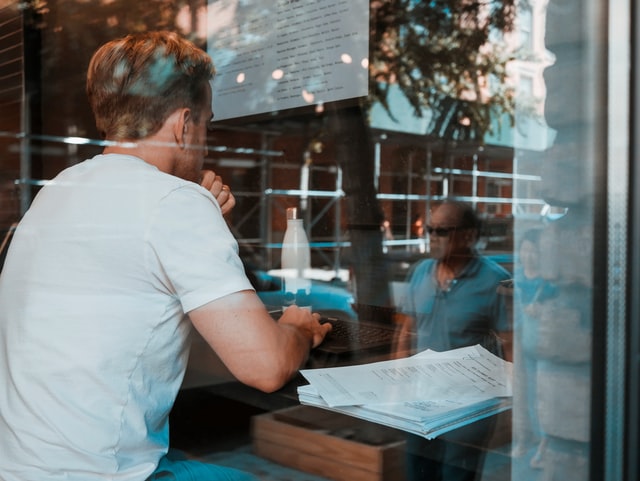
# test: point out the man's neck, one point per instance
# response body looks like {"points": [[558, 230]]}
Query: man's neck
{"points": [[148, 150], [452, 266]]}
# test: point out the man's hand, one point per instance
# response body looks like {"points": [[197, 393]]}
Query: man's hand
{"points": [[213, 183], [307, 322]]}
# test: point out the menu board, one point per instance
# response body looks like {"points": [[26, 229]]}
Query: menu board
{"points": [[272, 55]]}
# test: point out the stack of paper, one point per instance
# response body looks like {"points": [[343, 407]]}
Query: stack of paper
{"points": [[428, 394]]}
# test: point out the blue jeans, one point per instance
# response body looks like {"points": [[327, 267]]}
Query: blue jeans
{"points": [[186, 470]]}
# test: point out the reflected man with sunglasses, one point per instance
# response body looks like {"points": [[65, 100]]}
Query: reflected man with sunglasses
{"points": [[452, 302]]}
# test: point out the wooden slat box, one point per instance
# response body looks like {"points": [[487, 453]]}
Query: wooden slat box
{"points": [[328, 444]]}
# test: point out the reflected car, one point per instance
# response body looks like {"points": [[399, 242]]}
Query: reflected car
{"points": [[327, 298]]}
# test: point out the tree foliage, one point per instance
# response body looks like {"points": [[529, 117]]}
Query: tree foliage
{"points": [[446, 56]]}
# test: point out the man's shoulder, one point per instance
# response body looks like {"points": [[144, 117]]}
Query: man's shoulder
{"points": [[133, 179], [490, 267], [131, 168], [422, 265]]}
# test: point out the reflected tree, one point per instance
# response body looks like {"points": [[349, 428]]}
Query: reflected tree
{"points": [[448, 58]]}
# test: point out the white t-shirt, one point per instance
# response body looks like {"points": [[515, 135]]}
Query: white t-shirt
{"points": [[93, 336]]}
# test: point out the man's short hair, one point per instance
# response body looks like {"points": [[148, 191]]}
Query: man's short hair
{"points": [[468, 217], [136, 82]]}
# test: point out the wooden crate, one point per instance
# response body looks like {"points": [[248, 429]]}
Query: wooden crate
{"points": [[328, 444]]}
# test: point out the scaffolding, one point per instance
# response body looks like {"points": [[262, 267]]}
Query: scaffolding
{"points": [[425, 182]]}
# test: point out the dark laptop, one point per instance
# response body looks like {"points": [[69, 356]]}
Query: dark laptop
{"points": [[352, 337]]}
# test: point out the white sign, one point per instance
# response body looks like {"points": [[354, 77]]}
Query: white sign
{"points": [[273, 55]]}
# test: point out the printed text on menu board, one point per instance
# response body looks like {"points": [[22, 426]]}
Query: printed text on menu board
{"points": [[282, 54]]}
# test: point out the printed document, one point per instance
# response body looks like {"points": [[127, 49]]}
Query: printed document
{"points": [[424, 418], [428, 394], [470, 372]]}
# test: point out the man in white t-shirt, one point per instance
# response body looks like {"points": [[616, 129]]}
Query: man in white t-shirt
{"points": [[114, 262]]}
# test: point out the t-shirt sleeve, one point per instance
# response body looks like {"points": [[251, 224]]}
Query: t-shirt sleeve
{"points": [[192, 252]]}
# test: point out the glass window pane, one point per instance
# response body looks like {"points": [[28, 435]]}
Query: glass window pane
{"points": [[447, 159]]}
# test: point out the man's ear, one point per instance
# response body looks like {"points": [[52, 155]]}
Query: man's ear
{"points": [[181, 126]]}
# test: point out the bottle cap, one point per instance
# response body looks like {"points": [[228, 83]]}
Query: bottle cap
{"points": [[292, 213]]}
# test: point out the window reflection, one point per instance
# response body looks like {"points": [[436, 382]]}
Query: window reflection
{"points": [[521, 143]]}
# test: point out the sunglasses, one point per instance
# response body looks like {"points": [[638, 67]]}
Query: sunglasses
{"points": [[441, 231]]}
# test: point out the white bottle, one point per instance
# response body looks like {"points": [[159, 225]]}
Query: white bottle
{"points": [[295, 262]]}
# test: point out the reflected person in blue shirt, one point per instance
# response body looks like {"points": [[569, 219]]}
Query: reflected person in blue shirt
{"points": [[453, 298], [453, 301]]}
